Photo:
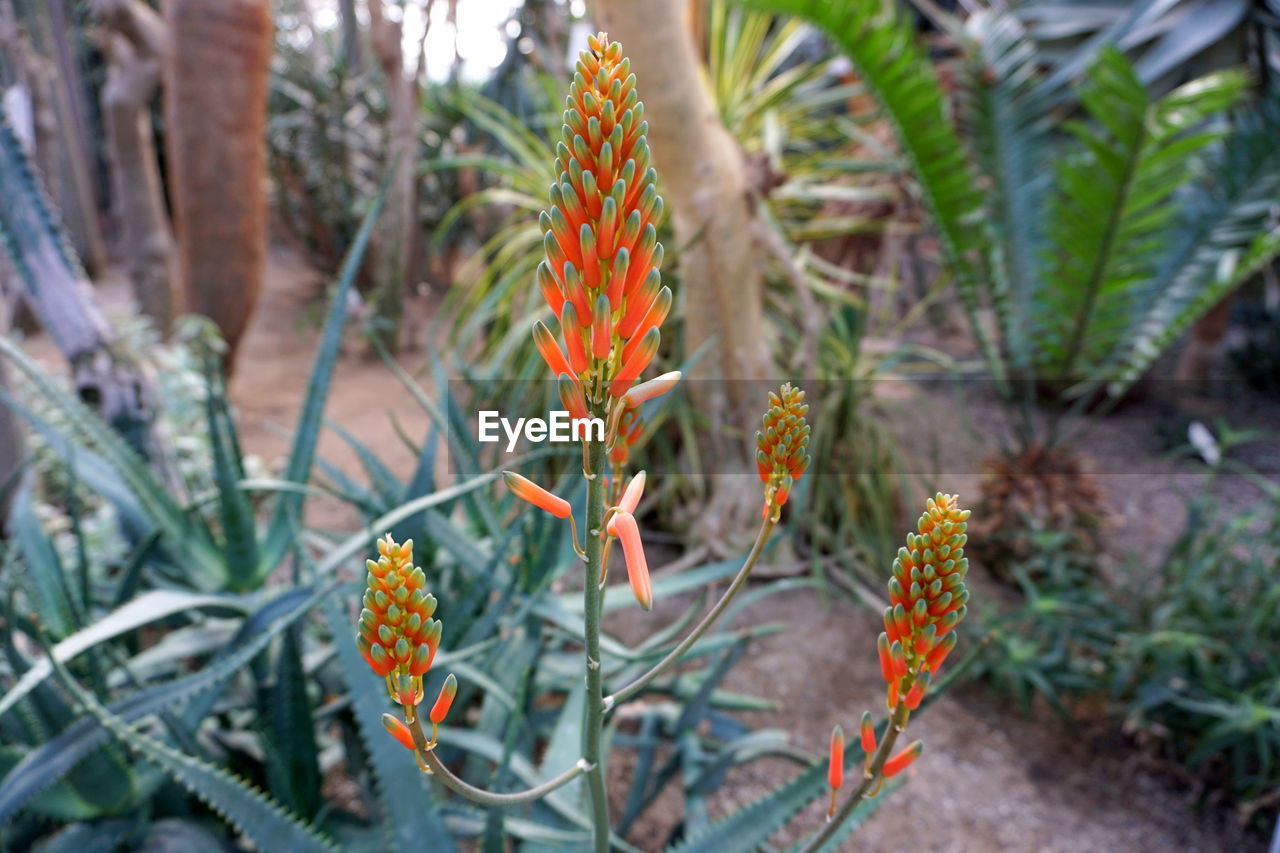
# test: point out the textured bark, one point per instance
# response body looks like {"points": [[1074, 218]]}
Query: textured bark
{"points": [[703, 177], [394, 244], [215, 94], [134, 48]]}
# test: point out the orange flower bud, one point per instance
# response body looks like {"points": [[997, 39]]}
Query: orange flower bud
{"points": [[571, 397], [655, 387], [903, 759], [601, 328], [917, 691], [399, 731], [867, 732], [441, 708], [572, 334], [886, 659], [835, 761], [550, 350], [527, 490], [624, 527], [631, 495]]}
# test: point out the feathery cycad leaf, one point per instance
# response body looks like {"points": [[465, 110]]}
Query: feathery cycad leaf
{"points": [[1110, 216], [1230, 229], [1006, 127]]}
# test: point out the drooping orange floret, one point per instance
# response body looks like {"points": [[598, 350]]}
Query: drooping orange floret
{"points": [[396, 633], [600, 273]]}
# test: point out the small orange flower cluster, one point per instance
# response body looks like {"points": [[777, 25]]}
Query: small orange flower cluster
{"points": [[782, 446], [927, 599], [397, 635], [600, 277]]}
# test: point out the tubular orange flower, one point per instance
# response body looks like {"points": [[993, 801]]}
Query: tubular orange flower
{"points": [[441, 708], [397, 635], [527, 490], [903, 759], [655, 387], [835, 767], [867, 732], [623, 525], [631, 496], [782, 454], [399, 731], [927, 599], [600, 276]]}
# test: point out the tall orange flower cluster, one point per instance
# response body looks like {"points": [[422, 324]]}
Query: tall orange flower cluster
{"points": [[600, 276], [927, 599], [782, 453], [396, 633]]}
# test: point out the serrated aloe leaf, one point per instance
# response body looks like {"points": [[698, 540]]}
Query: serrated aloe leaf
{"points": [[143, 610], [44, 765], [262, 821]]}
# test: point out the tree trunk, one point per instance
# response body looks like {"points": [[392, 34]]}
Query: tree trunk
{"points": [[215, 93], [395, 234], [703, 176], [55, 286], [134, 49]]}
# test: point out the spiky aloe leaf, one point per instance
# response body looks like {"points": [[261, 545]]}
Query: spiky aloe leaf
{"points": [[49, 762], [137, 489], [263, 822], [143, 610], [302, 453]]}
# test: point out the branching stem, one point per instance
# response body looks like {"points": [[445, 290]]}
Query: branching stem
{"points": [[739, 580]]}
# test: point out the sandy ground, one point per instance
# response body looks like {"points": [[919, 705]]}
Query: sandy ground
{"points": [[989, 779]]}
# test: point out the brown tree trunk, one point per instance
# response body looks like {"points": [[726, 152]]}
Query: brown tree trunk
{"points": [[703, 177], [134, 50], [395, 233], [215, 93]]}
